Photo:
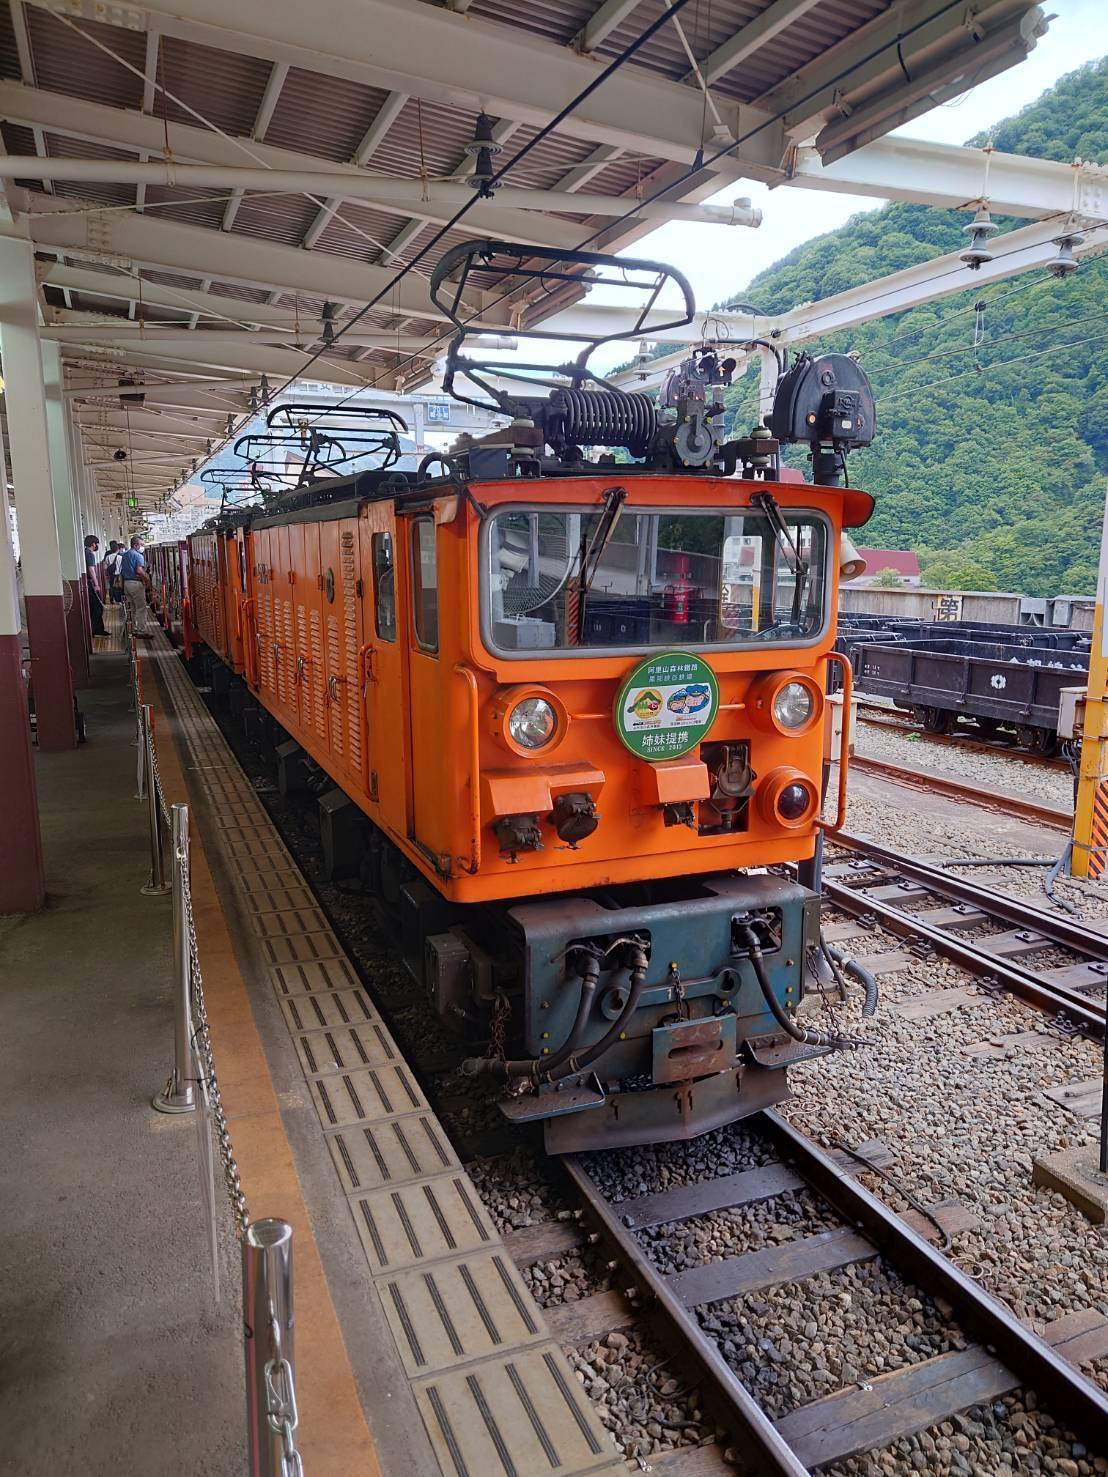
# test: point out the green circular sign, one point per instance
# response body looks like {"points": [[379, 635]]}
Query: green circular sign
{"points": [[666, 705]]}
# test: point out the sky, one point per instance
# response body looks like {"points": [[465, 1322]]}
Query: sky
{"points": [[719, 261]]}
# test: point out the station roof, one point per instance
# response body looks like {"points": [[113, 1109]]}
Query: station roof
{"points": [[197, 291]]}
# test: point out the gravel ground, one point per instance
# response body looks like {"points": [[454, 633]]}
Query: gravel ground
{"points": [[570, 1277], [727, 1233], [1009, 1436], [1002, 774], [646, 1406], [517, 1190], [967, 1127], [912, 830], [800, 1341], [623, 1173]]}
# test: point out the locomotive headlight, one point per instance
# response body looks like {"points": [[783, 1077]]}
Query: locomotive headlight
{"points": [[793, 705], [533, 723]]}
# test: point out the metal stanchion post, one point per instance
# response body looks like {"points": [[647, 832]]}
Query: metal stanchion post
{"points": [[140, 772], [271, 1414], [157, 886], [179, 1093]]}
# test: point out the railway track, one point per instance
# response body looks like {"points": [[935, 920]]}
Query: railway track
{"points": [[994, 937], [996, 1353], [1010, 805]]}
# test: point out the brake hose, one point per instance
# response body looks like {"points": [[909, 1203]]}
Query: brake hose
{"points": [[802, 1034]]}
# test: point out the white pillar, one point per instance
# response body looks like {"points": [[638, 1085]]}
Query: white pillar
{"points": [[40, 554], [66, 508]]}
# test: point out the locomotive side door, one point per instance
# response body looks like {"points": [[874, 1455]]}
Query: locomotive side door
{"points": [[309, 676], [284, 628], [263, 542], [342, 607], [384, 668], [430, 763]]}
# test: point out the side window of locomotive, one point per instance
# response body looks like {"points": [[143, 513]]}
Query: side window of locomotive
{"points": [[384, 587], [425, 584], [242, 567]]}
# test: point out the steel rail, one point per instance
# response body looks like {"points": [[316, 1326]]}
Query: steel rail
{"points": [[1044, 995], [1076, 1400], [915, 779], [767, 1452]]}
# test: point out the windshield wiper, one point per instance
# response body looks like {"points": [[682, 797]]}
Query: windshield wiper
{"points": [[801, 567], [591, 555]]}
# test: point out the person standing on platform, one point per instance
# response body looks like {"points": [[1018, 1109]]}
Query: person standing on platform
{"points": [[92, 580], [110, 568], [136, 582]]}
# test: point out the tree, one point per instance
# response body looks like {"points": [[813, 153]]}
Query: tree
{"points": [[887, 579], [956, 571]]}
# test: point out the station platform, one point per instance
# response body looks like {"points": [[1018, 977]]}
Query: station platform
{"points": [[116, 1358], [419, 1349]]}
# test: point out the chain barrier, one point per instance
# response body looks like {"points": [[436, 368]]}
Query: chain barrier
{"points": [[272, 1414], [281, 1412]]}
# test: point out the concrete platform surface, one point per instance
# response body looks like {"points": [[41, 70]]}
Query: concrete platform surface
{"points": [[114, 1358]]}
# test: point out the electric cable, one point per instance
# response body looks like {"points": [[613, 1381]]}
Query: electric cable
{"points": [[994, 364]]}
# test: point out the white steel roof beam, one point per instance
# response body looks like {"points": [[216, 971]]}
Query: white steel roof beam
{"points": [[466, 63], [196, 251], [434, 200], [119, 287], [957, 178], [125, 129], [215, 339], [600, 26], [878, 59], [1014, 252]]}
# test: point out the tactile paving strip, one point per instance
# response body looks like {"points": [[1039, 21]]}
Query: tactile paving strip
{"points": [[494, 1390]]}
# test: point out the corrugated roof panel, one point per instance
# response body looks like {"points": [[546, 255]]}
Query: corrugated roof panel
{"points": [[92, 194], [18, 140], [281, 218], [67, 60], [430, 135], [238, 291], [801, 43], [222, 86], [556, 20], [324, 116], [342, 239], [191, 207], [9, 57]]}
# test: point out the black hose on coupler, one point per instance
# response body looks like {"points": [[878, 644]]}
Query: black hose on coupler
{"points": [[803, 1034], [857, 972]]}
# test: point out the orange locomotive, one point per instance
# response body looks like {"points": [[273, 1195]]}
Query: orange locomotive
{"points": [[580, 704]]}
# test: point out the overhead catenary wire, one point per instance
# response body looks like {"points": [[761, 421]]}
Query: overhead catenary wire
{"points": [[993, 364]]}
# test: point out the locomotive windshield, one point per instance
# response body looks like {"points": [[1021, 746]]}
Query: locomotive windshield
{"points": [[565, 580]]}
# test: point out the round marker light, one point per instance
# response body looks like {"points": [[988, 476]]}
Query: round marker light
{"points": [[792, 802], [532, 723], [793, 705]]}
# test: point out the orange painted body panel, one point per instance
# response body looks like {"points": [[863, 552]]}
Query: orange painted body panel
{"points": [[410, 734]]}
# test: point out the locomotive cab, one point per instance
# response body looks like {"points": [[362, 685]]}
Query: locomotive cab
{"points": [[600, 775]]}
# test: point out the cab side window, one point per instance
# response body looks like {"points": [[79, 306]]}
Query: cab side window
{"points": [[384, 587], [425, 584]]}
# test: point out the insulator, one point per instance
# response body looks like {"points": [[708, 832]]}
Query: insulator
{"points": [[603, 418]]}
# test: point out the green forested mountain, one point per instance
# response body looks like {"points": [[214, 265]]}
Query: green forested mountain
{"points": [[990, 462]]}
